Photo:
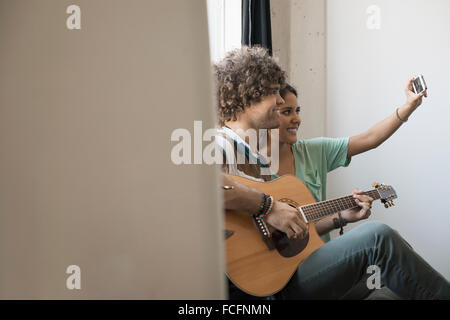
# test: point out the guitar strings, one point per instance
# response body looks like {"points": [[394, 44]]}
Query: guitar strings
{"points": [[315, 211]]}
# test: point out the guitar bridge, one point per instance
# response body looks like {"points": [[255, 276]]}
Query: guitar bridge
{"points": [[264, 231]]}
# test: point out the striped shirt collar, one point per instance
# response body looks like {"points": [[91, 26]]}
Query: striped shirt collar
{"points": [[241, 145]]}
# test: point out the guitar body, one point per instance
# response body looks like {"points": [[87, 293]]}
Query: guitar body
{"points": [[251, 265]]}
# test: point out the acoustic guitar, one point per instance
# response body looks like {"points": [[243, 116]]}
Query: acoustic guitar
{"points": [[260, 260]]}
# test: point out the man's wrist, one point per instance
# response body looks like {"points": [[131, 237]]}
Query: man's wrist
{"points": [[254, 203], [243, 198]]}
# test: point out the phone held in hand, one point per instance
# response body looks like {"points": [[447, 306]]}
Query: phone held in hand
{"points": [[419, 85]]}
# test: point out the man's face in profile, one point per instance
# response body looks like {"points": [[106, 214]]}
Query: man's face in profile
{"points": [[265, 114]]}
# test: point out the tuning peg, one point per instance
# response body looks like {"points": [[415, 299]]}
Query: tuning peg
{"points": [[392, 202], [386, 205], [375, 184]]}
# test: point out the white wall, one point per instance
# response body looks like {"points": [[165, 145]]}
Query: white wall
{"points": [[367, 71], [280, 15], [299, 41]]}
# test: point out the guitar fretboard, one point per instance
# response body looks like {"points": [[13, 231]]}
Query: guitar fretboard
{"points": [[318, 210]]}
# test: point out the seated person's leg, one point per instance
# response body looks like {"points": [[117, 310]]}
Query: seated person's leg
{"points": [[332, 270]]}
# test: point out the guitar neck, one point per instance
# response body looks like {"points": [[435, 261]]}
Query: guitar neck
{"points": [[318, 210]]}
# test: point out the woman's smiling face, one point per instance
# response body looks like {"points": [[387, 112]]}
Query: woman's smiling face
{"points": [[289, 119]]}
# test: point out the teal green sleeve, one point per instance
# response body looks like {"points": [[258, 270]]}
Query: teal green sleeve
{"points": [[335, 150]]}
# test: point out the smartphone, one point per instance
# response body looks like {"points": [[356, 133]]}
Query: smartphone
{"points": [[419, 84]]}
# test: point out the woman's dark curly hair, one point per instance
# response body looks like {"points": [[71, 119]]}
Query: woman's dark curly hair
{"points": [[244, 76]]}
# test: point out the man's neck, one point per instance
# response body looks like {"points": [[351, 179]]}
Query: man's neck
{"points": [[238, 125], [241, 128]]}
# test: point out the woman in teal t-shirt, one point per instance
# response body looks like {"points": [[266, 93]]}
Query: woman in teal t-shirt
{"points": [[311, 160]]}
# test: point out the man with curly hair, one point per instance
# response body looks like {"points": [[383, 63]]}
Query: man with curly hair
{"points": [[248, 82]]}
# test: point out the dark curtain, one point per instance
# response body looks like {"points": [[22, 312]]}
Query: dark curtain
{"points": [[256, 27]]}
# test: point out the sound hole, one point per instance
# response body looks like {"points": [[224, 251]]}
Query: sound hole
{"points": [[285, 246], [288, 247]]}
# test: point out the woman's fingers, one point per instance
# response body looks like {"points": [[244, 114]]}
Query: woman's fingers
{"points": [[409, 85]]}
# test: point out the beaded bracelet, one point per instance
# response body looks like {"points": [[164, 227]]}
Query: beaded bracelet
{"points": [[263, 203], [340, 223], [270, 206], [266, 208]]}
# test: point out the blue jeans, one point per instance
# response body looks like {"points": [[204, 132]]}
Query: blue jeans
{"points": [[332, 270]]}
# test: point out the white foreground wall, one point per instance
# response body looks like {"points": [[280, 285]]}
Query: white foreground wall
{"points": [[86, 176]]}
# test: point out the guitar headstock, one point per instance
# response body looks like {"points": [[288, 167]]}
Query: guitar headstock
{"points": [[387, 194]]}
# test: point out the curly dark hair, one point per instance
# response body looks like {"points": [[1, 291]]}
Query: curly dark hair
{"points": [[244, 76]]}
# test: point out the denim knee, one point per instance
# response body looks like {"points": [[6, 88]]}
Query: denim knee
{"points": [[379, 231], [384, 233], [380, 228]]}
